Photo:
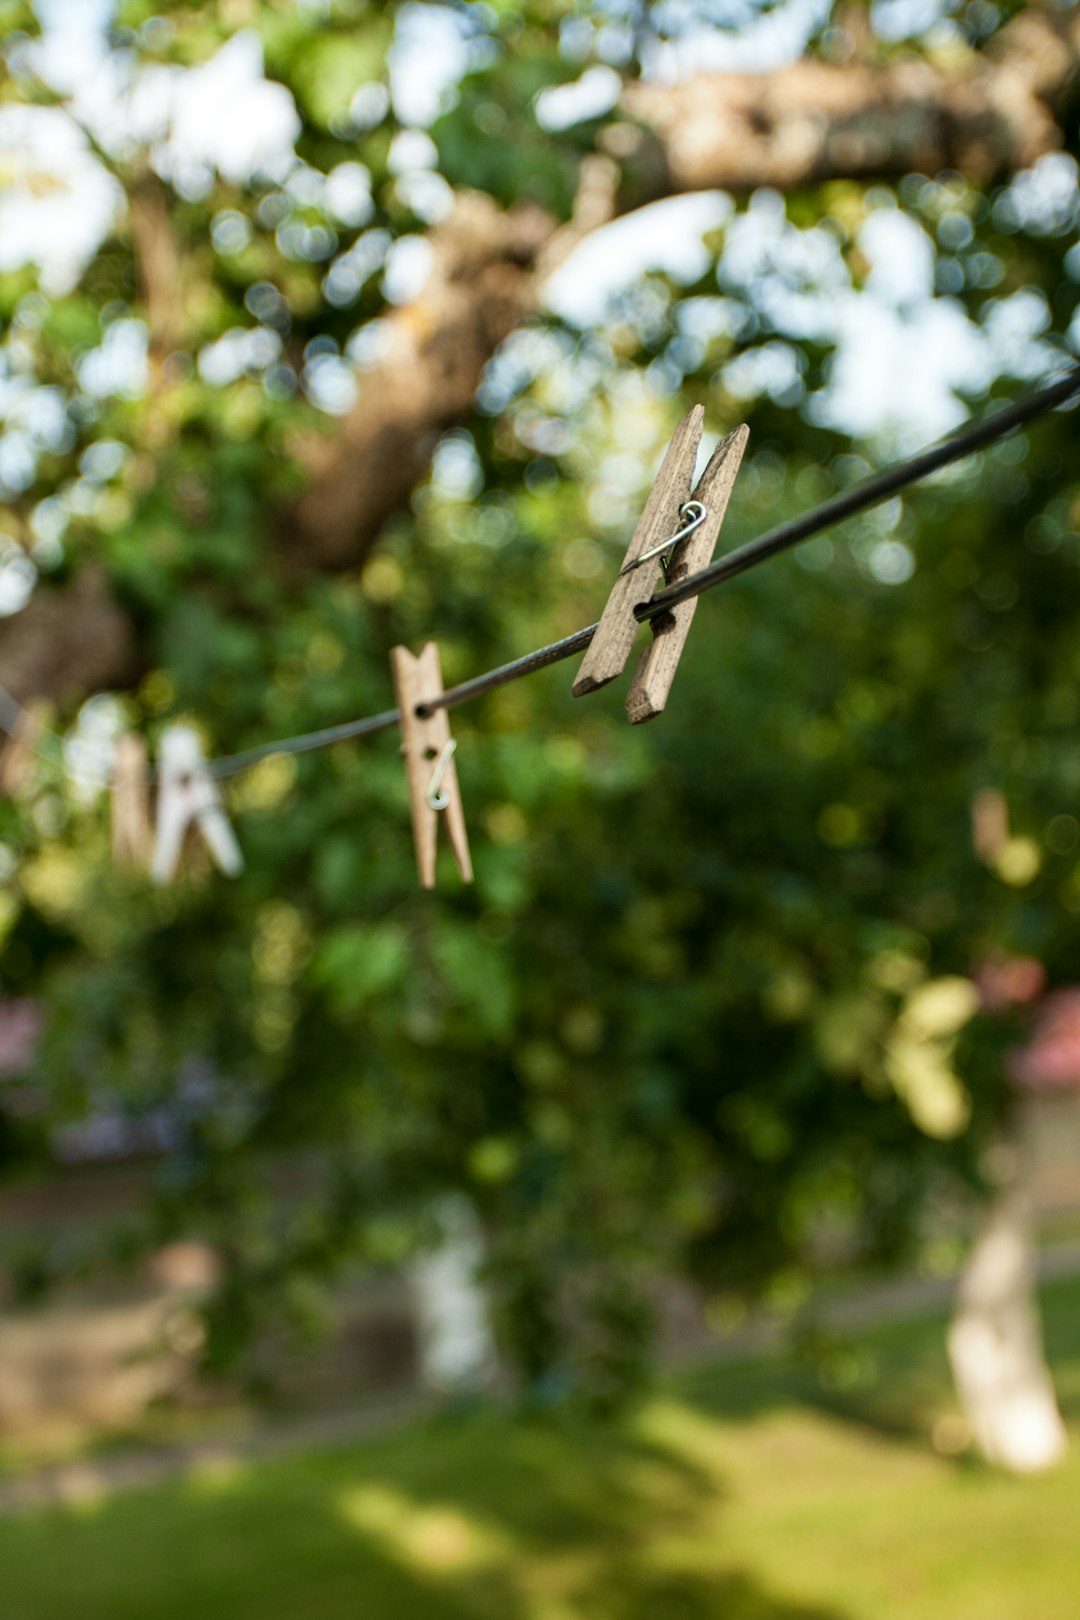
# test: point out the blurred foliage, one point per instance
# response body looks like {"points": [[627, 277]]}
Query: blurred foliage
{"points": [[708, 1008]]}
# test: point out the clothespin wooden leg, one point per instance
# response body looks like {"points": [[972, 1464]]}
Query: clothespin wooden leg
{"points": [[656, 668], [132, 836], [424, 740], [989, 824], [610, 647]]}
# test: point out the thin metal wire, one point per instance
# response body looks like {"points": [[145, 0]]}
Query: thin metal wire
{"points": [[306, 743], [39, 741], [230, 764], [454, 696], [871, 492]]}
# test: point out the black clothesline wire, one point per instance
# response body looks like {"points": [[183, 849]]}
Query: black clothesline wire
{"points": [[870, 492]]}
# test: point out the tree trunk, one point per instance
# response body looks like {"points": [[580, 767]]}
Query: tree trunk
{"points": [[995, 1345], [457, 1352]]}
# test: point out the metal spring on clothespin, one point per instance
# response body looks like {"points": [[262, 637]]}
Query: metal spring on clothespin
{"points": [[688, 551], [696, 512], [437, 799]]}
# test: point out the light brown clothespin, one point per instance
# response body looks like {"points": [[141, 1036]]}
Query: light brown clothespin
{"points": [[18, 752], [428, 749], [132, 832], [688, 529]]}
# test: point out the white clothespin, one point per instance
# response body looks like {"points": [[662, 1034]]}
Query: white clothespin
{"points": [[187, 794]]}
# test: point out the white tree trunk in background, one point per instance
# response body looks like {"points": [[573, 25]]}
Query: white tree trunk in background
{"points": [[995, 1346], [457, 1350]]}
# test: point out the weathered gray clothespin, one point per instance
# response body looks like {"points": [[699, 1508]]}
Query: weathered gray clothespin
{"points": [[689, 530], [428, 749], [132, 833], [188, 796]]}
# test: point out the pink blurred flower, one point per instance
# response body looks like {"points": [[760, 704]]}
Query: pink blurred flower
{"points": [[1051, 1058], [1010, 981], [21, 1023]]}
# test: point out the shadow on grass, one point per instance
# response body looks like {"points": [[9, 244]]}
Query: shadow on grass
{"points": [[477, 1516], [887, 1382], [570, 1518], [472, 1519]]}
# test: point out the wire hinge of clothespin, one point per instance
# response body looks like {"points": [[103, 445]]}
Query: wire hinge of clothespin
{"points": [[429, 761], [437, 797], [693, 515], [681, 524], [189, 797]]}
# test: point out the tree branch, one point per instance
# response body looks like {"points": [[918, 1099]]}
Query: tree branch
{"points": [[986, 117], [67, 642], [483, 284], [158, 266], [795, 126]]}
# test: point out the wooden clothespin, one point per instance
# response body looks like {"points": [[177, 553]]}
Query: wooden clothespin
{"points": [[187, 797], [18, 752], [428, 749], [132, 834], [670, 520], [989, 825]]}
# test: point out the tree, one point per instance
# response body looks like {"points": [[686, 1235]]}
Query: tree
{"points": [[709, 1008]]}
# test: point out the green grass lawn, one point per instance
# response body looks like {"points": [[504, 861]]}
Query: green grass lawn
{"points": [[742, 1492]]}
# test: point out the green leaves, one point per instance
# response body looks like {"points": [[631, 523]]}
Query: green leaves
{"points": [[919, 1051], [328, 68], [474, 150], [709, 1009], [357, 963], [477, 976]]}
